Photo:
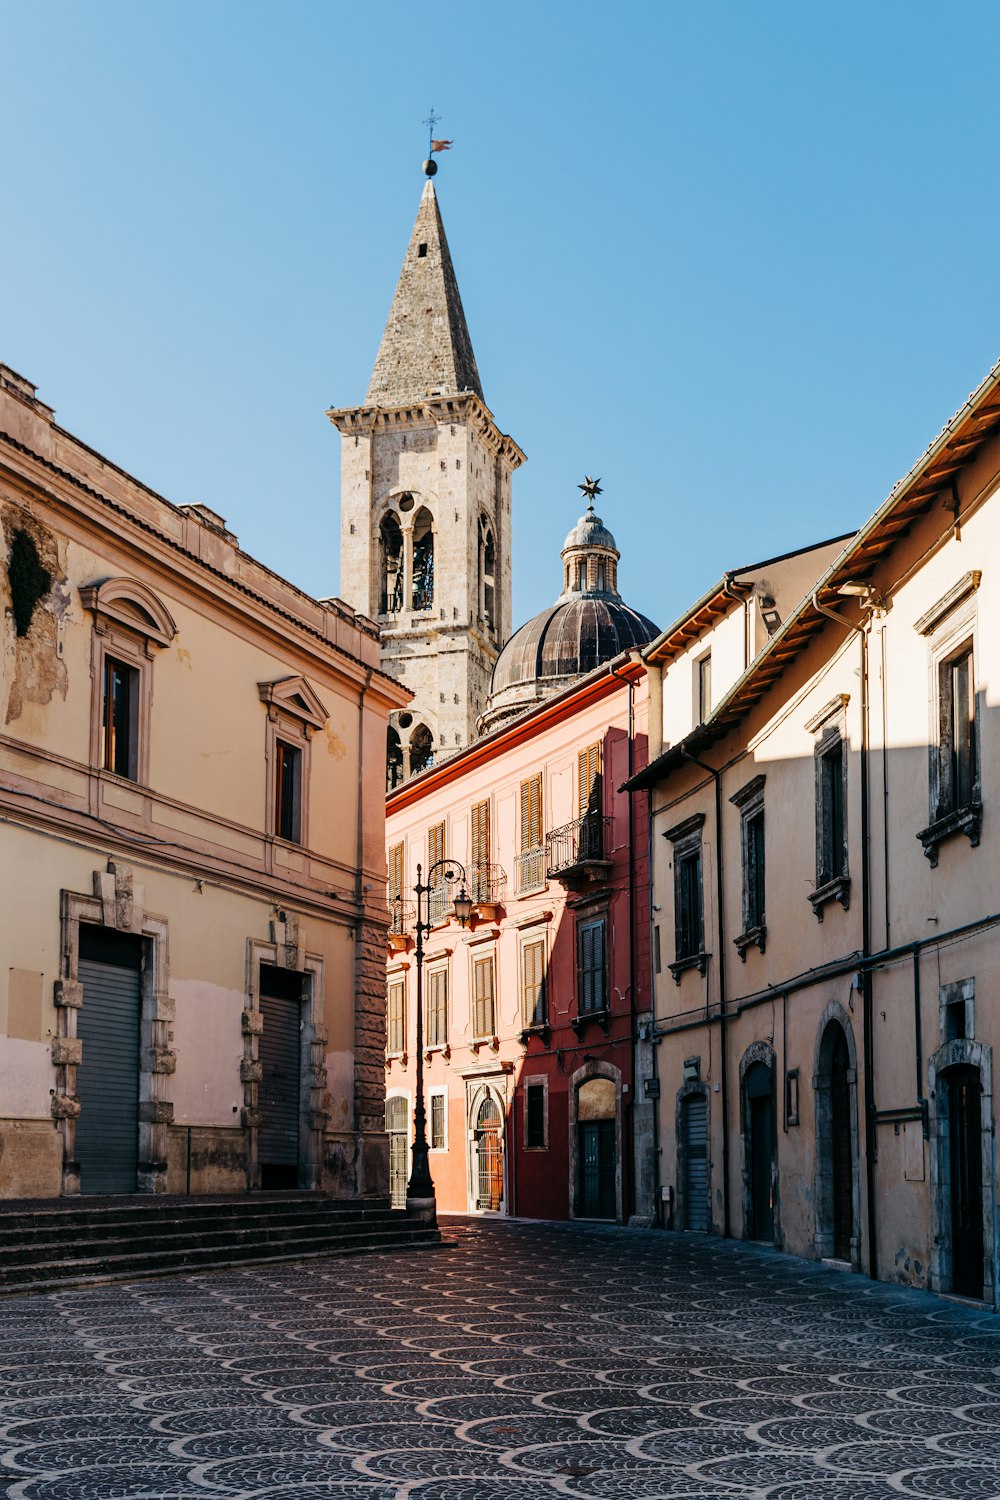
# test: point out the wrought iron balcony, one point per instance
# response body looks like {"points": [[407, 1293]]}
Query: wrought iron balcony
{"points": [[529, 869], [579, 852], [402, 916], [487, 885]]}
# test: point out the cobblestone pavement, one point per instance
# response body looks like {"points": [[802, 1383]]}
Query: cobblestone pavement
{"points": [[520, 1362]]}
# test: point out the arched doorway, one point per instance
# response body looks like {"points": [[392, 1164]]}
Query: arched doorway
{"points": [[693, 1177], [487, 1155], [596, 1196], [759, 1147], [835, 1086], [963, 1170], [397, 1123]]}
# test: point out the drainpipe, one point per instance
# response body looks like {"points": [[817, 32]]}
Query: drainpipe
{"points": [[742, 594], [654, 1040], [720, 902], [631, 931], [360, 897], [866, 948]]}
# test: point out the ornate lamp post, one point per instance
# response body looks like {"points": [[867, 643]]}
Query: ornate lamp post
{"points": [[420, 1188]]}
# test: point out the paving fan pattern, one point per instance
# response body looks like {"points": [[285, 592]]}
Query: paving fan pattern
{"points": [[518, 1362]]}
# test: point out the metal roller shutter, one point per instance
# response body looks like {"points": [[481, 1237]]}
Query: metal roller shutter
{"points": [[695, 1117], [280, 1056], [107, 1131]]}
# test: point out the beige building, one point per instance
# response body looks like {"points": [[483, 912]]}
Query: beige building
{"points": [[192, 919], [426, 508], [826, 891]]}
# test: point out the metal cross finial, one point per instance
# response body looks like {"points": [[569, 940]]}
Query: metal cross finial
{"points": [[431, 120], [591, 488]]}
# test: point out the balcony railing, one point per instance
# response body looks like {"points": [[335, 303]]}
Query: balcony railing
{"points": [[402, 915], [529, 869], [487, 885], [584, 842]]}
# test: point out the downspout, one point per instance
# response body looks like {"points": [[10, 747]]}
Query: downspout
{"points": [[740, 593], [720, 902], [631, 935], [360, 897], [866, 948]]}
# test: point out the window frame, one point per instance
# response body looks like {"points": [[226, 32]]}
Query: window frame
{"points": [[592, 922], [395, 981], [686, 845], [951, 630], [749, 801], [294, 713], [530, 860], [130, 625], [538, 1083], [434, 1094], [534, 1022], [436, 977], [830, 740], [480, 963], [702, 686]]}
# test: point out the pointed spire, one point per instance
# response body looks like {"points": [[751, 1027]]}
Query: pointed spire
{"points": [[426, 349]]}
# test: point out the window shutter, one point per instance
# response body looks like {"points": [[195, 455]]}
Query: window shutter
{"points": [[481, 834], [395, 872], [437, 1012], [396, 1028], [588, 780], [533, 970], [483, 1018], [531, 813], [435, 844]]}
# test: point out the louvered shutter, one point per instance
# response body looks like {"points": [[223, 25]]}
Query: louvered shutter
{"points": [[589, 780], [395, 872], [437, 1015], [435, 844], [481, 834], [531, 813], [483, 1017], [396, 1027], [533, 970]]}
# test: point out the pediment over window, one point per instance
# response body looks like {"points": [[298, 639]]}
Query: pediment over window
{"points": [[293, 696], [131, 603]]}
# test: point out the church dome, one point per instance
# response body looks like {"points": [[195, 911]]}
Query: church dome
{"points": [[588, 625]]}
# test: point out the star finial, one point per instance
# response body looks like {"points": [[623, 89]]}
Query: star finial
{"points": [[591, 488]]}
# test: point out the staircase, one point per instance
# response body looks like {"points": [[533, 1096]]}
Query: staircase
{"points": [[47, 1244]]}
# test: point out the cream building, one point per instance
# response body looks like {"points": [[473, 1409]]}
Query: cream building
{"points": [[826, 892], [426, 508], [192, 920]]}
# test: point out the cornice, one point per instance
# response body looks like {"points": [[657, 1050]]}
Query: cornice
{"points": [[362, 421]]}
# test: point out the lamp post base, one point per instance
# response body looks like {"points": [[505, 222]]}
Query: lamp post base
{"points": [[423, 1210]]}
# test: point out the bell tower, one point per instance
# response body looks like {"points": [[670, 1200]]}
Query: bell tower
{"points": [[425, 507]]}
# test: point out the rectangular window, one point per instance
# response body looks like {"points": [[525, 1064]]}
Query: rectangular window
{"points": [[533, 983], [689, 915], [288, 792], [703, 687], [958, 749], [479, 874], [120, 719], [395, 1039], [534, 1117], [591, 966], [437, 898], [483, 999], [394, 861], [753, 869], [438, 1134], [437, 1008], [531, 861], [832, 850], [588, 793]]}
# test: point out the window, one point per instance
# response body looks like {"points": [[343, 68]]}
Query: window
{"points": [[120, 719], [437, 897], [830, 765], [421, 750], [479, 874], [487, 571], [423, 560], [958, 750], [393, 759], [483, 999], [750, 801], [589, 803], [832, 855], [531, 861], [288, 792], [689, 921], [439, 1128], [535, 1115], [396, 1018], [533, 1008], [955, 789], [703, 687], [591, 967], [437, 1008], [391, 549]]}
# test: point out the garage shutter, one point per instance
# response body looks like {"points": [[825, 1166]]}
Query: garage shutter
{"points": [[107, 1131]]}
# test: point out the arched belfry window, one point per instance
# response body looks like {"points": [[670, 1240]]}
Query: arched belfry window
{"points": [[393, 759], [487, 572], [391, 566], [423, 560], [421, 749]]}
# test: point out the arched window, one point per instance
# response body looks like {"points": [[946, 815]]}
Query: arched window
{"points": [[423, 560], [393, 760], [421, 749], [391, 566], [487, 569]]}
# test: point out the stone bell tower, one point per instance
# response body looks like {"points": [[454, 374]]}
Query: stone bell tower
{"points": [[425, 507]]}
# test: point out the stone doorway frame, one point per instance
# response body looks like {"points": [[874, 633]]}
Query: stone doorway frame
{"points": [[284, 954], [118, 904], [958, 1054], [693, 1090], [476, 1091], [595, 1069], [760, 1052], [834, 1014]]}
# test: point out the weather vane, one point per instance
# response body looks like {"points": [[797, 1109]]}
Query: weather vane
{"points": [[591, 488], [433, 144]]}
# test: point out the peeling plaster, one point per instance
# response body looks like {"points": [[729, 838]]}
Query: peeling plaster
{"points": [[38, 670]]}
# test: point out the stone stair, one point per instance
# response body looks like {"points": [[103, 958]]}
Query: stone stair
{"points": [[51, 1243]]}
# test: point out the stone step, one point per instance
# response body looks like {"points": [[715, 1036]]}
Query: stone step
{"points": [[45, 1276], [82, 1211], [58, 1228]]}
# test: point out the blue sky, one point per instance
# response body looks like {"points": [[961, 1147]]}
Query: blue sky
{"points": [[733, 258]]}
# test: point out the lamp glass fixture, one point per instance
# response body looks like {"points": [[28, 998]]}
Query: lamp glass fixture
{"points": [[463, 906]]}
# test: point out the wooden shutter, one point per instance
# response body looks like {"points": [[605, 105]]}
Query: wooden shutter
{"points": [[396, 1018], [533, 983], [437, 1010], [481, 834], [590, 966], [395, 862], [588, 780], [435, 845], [531, 813], [483, 1015]]}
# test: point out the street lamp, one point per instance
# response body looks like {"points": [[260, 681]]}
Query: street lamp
{"points": [[420, 1189]]}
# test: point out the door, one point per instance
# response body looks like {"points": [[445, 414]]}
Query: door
{"points": [[280, 1086], [694, 1143], [107, 1081], [965, 1145], [842, 1160], [489, 1156], [397, 1123], [597, 1169], [760, 1120]]}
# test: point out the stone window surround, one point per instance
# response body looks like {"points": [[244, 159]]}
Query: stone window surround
{"points": [[959, 991], [293, 724], [423, 504], [962, 1053], [117, 903], [686, 839], [283, 952], [534, 930], [396, 974], [482, 948], [437, 963], [130, 625], [750, 801], [478, 1089], [536, 1080], [950, 627], [829, 728], [594, 1069], [442, 1093], [834, 1013]]}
